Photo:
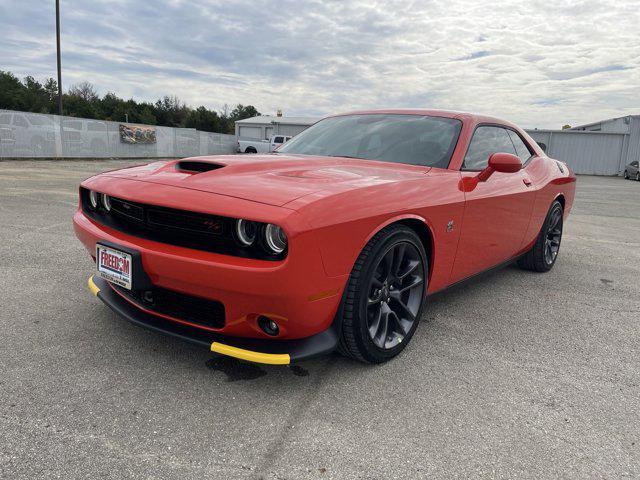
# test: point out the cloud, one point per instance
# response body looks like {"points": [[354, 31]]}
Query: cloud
{"points": [[474, 55], [535, 63]]}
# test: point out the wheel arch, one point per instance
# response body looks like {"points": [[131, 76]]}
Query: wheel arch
{"points": [[420, 226]]}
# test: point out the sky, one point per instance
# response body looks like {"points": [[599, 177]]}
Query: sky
{"points": [[540, 64]]}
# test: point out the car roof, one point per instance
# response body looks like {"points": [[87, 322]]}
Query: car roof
{"points": [[464, 116]]}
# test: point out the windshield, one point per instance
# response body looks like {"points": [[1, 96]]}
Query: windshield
{"points": [[412, 139]]}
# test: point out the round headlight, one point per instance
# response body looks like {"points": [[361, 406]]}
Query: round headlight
{"points": [[275, 238], [93, 199], [106, 202], [246, 232]]}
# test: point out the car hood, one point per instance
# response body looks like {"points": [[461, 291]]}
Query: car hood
{"points": [[270, 179]]}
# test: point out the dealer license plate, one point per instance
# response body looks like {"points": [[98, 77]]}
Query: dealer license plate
{"points": [[114, 266]]}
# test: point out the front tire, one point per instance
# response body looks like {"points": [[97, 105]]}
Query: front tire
{"points": [[638, 177], [542, 256], [384, 296], [626, 175]]}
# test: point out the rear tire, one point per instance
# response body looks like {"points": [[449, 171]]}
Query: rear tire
{"points": [[250, 150], [542, 256], [384, 296], [638, 177]]}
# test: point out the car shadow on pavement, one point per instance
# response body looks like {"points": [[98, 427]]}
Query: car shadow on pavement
{"points": [[237, 370]]}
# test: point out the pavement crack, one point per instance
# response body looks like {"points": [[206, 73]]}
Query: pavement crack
{"points": [[274, 449]]}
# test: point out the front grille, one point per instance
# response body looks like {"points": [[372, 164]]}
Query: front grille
{"points": [[127, 209], [196, 310], [193, 222], [183, 228]]}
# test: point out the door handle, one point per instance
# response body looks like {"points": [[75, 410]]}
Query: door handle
{"points": [[526, 181]]}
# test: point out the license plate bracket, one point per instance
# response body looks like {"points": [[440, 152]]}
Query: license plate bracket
{"points": [[139, 278], [115, 266]]}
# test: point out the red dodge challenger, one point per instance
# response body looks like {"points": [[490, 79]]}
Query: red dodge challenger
{"points": [[335, 241]]}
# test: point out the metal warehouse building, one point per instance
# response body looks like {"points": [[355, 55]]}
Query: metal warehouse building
{"points": [[262, 127], [601, 148]]}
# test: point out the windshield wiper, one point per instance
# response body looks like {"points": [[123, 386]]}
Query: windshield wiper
{"points": [[345, 156]]}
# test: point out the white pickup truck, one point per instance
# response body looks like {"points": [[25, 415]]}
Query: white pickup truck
{"points": [[261, 146]]}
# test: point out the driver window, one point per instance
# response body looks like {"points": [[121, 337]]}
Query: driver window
{"points": [[486, 141]]}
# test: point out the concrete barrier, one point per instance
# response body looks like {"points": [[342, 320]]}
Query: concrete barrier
{"points": [[35, 135]]}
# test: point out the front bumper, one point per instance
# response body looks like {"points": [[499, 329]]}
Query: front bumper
{"points": [[295, 292], [274, 352]]}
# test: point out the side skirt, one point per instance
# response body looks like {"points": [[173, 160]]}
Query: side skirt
{"points": [[475, 276]]}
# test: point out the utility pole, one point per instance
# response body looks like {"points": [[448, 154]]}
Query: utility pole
{"points": [[59, 63]]}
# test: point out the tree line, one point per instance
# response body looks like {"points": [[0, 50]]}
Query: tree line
{"points": [[83, 101]]}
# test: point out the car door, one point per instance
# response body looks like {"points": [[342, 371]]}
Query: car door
{"points": [[497, 211], [276, 142]]}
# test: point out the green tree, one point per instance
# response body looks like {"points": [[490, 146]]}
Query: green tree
{"points": [[241, 112], [85, 91], [170, 111], [146, 115], [10, 91], [75, 106], [51, 88], [34, 97], [108, 105], [203, 119]]}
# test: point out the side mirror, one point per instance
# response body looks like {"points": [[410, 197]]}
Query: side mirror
{"points": [[500, 162]]}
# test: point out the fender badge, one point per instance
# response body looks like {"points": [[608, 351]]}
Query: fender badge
{"points": [[450, 226]]}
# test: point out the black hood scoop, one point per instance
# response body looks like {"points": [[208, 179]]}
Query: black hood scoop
{"points": [[194, 166]]}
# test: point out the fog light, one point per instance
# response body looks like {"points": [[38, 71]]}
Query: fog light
{"points": [[268, 326], [147, 297]]}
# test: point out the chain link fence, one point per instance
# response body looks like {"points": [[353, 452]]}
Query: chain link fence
{"points": [[35, 135]]}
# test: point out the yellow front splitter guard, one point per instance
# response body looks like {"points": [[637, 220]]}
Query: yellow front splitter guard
{"points": [[93, 288], [251, 356]]}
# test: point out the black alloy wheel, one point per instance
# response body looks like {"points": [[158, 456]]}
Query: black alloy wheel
{"points": [[553, 236], [544, 252], [395, 295], [384, 296]]}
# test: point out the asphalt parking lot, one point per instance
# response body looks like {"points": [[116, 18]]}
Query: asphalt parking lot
{"points": [[515, 375]]}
